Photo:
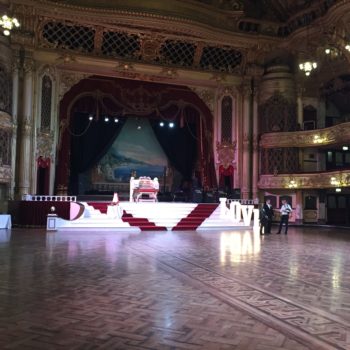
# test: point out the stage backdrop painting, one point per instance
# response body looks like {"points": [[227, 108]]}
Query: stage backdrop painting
{"points": [[135, 151]]}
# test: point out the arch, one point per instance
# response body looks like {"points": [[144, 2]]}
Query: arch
{"points": [[144, 99]]}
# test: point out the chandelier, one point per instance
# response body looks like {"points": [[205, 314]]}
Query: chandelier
{"points": [[7, 23], [308, 66]]}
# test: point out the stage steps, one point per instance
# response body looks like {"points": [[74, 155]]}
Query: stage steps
{"points": [[151, 216], [197, 216]]}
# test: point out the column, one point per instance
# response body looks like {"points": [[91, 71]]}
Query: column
{"points": [[25, 121], [245, 170], [255, 145], [15, 91]]}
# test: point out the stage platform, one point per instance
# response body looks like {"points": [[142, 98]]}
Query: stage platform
{"points": [[150, 216]]}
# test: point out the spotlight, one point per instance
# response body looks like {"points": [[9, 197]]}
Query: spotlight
{"points": [[161, 124], [91, 117], [345, 148], [116, 120], [338, 190], [139, 127], [171, 125], [106, 119]]}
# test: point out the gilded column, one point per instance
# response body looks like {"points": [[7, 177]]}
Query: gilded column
{"points": [[25, 121]]}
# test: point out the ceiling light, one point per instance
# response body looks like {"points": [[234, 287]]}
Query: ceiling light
{"points": [[7, 23], [171, 125], [308, 67], [116, 120], [91, 117], [161, 124], [106, 119]]}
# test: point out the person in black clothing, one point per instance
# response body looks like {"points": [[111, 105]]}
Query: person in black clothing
{"points": [[269, 212], [266, 215]]}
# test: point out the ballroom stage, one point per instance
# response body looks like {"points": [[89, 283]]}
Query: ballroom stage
{"points": [[159, 216]]}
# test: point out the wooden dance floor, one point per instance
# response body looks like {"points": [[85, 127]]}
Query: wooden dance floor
{"points": [[175, 290]]}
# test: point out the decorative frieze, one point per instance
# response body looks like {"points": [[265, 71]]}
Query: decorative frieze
{"points": [[311, 138], [332, 179]]}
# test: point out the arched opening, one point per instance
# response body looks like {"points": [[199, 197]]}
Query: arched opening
{"points": [[98, 113]]}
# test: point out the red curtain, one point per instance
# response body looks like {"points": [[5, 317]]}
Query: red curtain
{"points": [[226, 173]]}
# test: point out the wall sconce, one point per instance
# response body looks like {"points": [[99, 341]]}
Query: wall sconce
{"points": [[292, 184], [319, 139], [335, 181]]}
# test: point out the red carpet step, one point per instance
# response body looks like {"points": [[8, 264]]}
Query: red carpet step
{"points": [[143, 223], [196, 217]]}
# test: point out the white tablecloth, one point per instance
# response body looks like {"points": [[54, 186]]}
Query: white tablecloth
{"points": [[5, 221]]}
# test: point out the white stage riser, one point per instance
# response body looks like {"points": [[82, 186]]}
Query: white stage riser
{"points": [[161, 214]]}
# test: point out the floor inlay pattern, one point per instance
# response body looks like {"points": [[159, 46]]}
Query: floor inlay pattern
{"points": [[175, 290]]}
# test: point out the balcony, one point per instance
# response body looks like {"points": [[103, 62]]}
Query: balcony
{"points": [[310, 138], [322, 180]]}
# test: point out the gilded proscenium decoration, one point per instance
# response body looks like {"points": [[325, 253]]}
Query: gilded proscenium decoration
{"points": [[207, 96], [68, 79], [226, 153], [332, 179], [311, 138]]}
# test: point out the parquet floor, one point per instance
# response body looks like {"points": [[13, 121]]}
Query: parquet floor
{"points": [[175, 290]]}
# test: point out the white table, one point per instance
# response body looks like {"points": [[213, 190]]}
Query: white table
{"points": [[5, 221]]}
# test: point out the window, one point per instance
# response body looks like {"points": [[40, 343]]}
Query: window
{"points": [[46, 101]]}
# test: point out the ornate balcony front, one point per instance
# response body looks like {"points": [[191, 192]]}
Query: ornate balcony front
{"points": [[311, 138], [331, 179]]}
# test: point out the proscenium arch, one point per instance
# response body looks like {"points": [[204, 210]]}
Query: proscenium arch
{"points": [[113, 88]]}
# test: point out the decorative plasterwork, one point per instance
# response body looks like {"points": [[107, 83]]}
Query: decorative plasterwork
{"points": [[5, 121], [68, 79], [311, 138], [5, 174], [323, 180], [44, 144], [206, 95], [226, 153]]}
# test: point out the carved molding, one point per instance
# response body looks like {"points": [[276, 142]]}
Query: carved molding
{"points": [[322, 180], [48, 70], [44, 144], [227, 91], [311, 138]]}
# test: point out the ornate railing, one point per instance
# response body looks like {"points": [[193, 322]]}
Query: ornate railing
{"points": [[311, 138], [331, 179]]}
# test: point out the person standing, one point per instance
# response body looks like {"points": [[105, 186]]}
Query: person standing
{"points": [[285, 210], [268, 210]]}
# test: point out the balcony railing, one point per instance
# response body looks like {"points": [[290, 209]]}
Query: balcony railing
{"points": [[311, 138], [331, 179]]}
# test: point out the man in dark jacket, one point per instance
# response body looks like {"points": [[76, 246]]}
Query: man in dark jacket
{"points": [[266, 216]]}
